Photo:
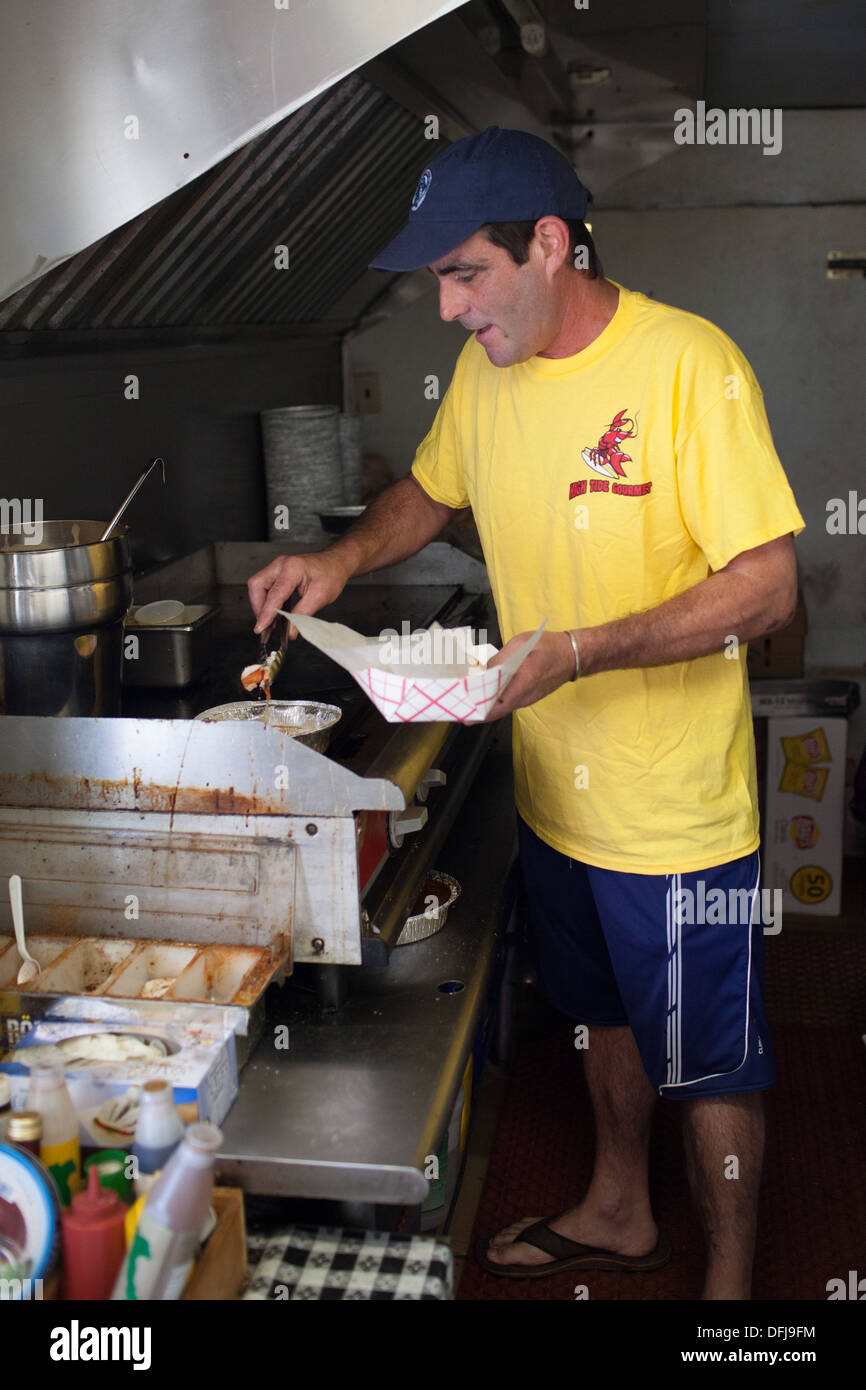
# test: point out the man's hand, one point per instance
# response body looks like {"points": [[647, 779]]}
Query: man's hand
{"points": [[319, 579], [549, 665], [398, 524]]}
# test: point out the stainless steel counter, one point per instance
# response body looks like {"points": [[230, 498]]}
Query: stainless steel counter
{"points": [[353, 1107]]}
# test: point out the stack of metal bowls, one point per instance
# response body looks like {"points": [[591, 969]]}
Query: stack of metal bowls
{"points": [[62, 604]]}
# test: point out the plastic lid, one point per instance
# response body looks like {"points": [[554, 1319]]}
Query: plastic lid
{"points": [[204, 1138], [156, 1091], [5, 1091], [96, 1202], [24, 1125], [165, 610]]}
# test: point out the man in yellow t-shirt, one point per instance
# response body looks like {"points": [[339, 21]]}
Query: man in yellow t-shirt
{"points": [[617, 458]]}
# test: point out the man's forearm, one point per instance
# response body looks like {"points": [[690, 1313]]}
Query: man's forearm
{"points": [[696, 623], [400, 522]]}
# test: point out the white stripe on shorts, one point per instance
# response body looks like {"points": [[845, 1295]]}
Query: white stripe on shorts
{"points": [[675, 979], [674, 1070]]}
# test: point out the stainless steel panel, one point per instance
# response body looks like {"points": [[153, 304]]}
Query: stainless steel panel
{"points": [[177, 766], [225, 879], [240, 880]]}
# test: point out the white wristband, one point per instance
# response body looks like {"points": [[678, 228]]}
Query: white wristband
{"points": [[571, 639]]}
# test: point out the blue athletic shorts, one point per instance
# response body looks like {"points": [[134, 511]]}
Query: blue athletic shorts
{"points": [[678, 958]]}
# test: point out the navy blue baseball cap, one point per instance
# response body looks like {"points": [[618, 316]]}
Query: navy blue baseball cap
{"points": [[497, 176]]}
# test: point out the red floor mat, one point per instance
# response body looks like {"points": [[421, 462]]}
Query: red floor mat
{"points": [[812, 1222]]}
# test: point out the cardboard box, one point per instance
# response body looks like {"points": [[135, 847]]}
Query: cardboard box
{"points": [[804, 812], [221, 1267], [202, 1070], [780, 655]]}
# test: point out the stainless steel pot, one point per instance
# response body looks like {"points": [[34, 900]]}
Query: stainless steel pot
{"points": [[62, 604]]}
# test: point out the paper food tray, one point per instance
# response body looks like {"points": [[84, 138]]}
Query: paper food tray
{"points": [[406, 691]]}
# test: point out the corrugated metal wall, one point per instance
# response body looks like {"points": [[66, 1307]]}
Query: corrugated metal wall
{"points": [[332, 182]]}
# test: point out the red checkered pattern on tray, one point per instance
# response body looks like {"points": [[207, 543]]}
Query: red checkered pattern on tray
{"points": [[403, 700]]}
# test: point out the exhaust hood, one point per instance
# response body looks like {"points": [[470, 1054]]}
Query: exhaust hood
{"points": [[109, 106]]}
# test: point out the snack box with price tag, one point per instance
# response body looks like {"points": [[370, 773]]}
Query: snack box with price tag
{"points": [[804, 815]]}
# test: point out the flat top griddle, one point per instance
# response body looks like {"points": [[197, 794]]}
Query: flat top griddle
{"points": [[306, 674]]}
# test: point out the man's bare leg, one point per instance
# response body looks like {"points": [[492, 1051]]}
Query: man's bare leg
{"points": [[718, 1130], [615, 1214]]}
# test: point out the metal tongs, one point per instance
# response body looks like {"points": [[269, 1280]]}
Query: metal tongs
{"points": [[271, 660]]}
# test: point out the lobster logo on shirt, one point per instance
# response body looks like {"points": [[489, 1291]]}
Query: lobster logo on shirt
{"points": [[606, 457]]}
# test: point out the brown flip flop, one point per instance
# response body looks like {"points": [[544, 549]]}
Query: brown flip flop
{"points": [[568, 1254]]}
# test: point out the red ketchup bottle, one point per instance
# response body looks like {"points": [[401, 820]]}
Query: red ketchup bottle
{"points": [[93, 1241]]}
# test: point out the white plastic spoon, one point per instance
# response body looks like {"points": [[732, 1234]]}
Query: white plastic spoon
{"points": [[30, 968]]}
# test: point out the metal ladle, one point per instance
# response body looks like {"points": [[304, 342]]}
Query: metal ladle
{"points": [[126, 501], [30, 967]]}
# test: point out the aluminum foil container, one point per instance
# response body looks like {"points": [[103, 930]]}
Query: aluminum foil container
{"points": [[309, 721], [424, 924]]}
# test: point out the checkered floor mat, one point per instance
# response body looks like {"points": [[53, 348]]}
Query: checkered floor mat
{"points": [[326, 1262]]}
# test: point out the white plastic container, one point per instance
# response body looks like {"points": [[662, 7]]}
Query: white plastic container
{"points": [[158, 1131]]}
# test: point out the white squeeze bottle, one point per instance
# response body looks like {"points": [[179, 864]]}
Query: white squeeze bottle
{"points": [[172, 1219], [158, 1131]]}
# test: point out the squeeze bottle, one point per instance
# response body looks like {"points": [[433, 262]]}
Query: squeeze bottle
{"points": [[59, 1149], [158, 1131], [93, 1241], [168, 1233]]}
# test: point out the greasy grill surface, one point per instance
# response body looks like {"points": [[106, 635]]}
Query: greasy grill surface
{"points": [[306, 673]]}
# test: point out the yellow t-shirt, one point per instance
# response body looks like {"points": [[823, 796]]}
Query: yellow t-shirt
{"points": [[603, 484]]}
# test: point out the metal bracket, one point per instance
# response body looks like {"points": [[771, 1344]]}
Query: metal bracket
{"points": [[434, 778], [401, 823]]}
